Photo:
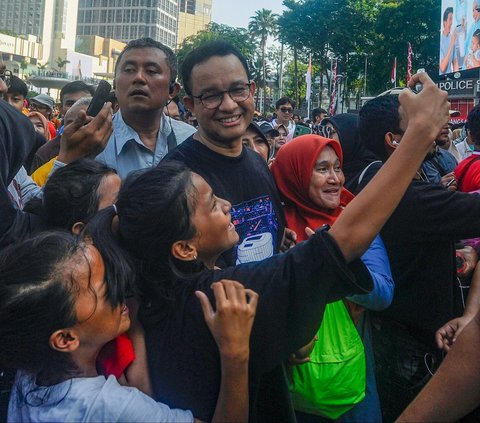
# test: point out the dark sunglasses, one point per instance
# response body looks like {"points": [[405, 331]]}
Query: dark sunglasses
{"points": [[286, 110]]}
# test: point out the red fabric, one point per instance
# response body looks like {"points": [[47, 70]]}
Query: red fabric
{"points": [[292, 170], [469, 180], [116, 356], [52, 130]]}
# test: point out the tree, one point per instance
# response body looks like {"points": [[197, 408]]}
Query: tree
{"points": [[262, 25], [24, 65], [42, 67], [61, 62], [238, 37]]}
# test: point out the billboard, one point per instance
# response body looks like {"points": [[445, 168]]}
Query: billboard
{"points": [[459, 36]]}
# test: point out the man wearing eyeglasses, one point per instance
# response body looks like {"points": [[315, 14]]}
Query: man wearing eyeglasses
{"points": [[220, 94], [284, 111]]}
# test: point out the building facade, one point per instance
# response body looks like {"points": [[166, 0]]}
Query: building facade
{"points": [[126, 20], [193, 16], [51, 22]]}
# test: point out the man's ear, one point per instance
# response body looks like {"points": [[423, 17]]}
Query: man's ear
{"points": [[64, 340], [77, 228], [184, 250], [188, 102], [389, 140], [174, 90]]}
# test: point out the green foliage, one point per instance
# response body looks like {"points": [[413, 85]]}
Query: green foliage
{"points": [[8, 32], [351, 30], [61, 62], [238, 37]]}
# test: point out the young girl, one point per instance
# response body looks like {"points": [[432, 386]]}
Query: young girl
{"points": [[58, 308], [175, 227]]}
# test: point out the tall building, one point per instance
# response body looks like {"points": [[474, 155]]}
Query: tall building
{"points": [[126, 20], [193, 16], [52, 22]]}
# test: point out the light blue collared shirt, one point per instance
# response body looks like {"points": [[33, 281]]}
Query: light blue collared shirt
{"points": [[125, 151]]}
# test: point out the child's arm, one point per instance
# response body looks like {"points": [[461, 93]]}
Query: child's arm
{"points": [[231, 325], [363, 218]]}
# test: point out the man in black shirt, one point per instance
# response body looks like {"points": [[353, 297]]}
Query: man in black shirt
{"points": [[219, 92], [419, 237]]}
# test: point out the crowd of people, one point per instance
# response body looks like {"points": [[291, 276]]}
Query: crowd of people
{"points": [[181, 260]]}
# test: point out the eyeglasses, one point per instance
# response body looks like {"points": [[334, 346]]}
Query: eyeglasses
{"points": [[6, 75], [39, 107], [237, 94], [286, 109]]}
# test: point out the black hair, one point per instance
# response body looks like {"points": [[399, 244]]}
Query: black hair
{"points": [[317, 112], [447, 11], [154, 210], [37, 297], [151, 43], [377, 117], [71, 193], [202, 54], [477, 34], [473, 121], [76, 87], [284, 100], [17, 86]]}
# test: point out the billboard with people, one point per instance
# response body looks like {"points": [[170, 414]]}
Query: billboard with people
{"points": [[459, 36]]}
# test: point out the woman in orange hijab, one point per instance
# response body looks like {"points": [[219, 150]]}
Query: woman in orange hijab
{"points": [[335, 384], [40, 123]]}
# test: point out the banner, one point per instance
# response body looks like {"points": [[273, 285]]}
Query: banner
{"points": [[393, 78], [333, 98]]}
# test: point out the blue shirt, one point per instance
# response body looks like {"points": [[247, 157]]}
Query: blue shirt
{"points": [[126, 152]]}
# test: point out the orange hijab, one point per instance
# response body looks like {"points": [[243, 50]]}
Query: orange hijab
{"points": [[292, 171], [44, 121]]}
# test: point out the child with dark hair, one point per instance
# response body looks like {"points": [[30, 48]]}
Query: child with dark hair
{"points": [[16, 94], [59, 306]]}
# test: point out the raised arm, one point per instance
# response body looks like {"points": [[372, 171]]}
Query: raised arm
{"points": [[231, 324], [363, 218]]}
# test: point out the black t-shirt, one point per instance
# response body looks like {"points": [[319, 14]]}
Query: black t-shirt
{"points": [[420, 237], [293, 290], [246, 182]]}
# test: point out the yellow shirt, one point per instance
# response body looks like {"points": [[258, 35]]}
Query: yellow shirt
{"points": [[40, 176]]}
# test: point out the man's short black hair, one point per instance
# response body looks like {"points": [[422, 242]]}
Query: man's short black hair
{"points": [[17, 86], [202, 54], [284, 100], [76, 87], [149, 42], [377, 117], [447, 11], [473, 123], [317, 112]]}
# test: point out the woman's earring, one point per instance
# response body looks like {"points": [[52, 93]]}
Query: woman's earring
{"points": [[195, 257]]}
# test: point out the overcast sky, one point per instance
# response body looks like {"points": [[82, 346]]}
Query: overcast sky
{"points": [[237, 14]]}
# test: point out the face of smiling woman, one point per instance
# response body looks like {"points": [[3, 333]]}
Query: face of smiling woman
{"points": [[327, 180]]}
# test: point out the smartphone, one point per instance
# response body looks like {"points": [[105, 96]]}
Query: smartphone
{"points": [[450, 182], [301, 130], [100, 97]]}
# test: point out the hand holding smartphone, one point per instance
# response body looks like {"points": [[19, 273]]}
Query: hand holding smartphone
{"points": [[100, 97]]}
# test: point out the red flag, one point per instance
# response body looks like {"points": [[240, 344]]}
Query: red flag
{"points": [[393, 78], [333, 98], [409, 67]]}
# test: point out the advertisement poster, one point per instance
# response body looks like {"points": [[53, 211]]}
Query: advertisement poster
{"points": [[459, 36]]}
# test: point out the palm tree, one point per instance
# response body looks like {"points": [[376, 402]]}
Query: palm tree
{"points": [[261, 25], [61, 62]]}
